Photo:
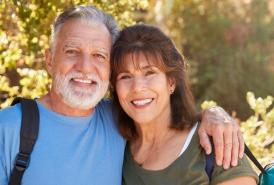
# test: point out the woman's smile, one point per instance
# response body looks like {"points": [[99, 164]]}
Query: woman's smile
{"points": [[142, 103]]}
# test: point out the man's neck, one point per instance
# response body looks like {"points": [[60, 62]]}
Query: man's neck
{"points": [[55, 103]]}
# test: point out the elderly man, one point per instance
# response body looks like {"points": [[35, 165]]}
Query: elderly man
{"points": [[78, 141]]}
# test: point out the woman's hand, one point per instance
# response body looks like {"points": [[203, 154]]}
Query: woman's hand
{"points": [[227, 138]]}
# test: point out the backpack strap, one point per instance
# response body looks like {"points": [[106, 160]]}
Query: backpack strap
{"points": [[253, 159], [28, 136], [209, 165], [210, 162], [210, 158]]}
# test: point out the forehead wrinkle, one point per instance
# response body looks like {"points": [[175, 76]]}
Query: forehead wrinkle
{"points": [[72, 42], [77, 39], [75, 42]]}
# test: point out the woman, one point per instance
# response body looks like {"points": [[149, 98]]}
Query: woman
{"points": [[159, 117]]}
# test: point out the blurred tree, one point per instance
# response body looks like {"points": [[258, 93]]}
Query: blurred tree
{"points": [[258, 129], [24, 35], [229, 45]]}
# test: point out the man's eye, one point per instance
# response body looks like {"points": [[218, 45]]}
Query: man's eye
{"points": [[71, 52], [100, 56]]}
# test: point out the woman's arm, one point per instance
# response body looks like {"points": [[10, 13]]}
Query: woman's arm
{"points": [[240, 181]]}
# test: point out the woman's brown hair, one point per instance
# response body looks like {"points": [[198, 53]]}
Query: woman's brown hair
{"points": [[152, 42]]}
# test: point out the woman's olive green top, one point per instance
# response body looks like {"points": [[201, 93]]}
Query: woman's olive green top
{"points": [[187, 169]]}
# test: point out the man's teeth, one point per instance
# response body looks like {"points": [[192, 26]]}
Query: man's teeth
{"points": [[142, 102], [83, 80]]}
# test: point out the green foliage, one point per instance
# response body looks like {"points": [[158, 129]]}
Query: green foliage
{"points": [[259, 128], [229, 46], [208, 104], [24, 35]]}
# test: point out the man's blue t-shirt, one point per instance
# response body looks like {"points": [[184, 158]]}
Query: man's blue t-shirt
{"points": [[69, 150]]}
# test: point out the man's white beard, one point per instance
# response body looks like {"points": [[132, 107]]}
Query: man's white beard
{"points": [[77, 97]]}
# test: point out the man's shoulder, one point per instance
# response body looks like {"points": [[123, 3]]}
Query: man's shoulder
{"points": [[106, 113], [105, 104], [106, 101], [10, 117]]}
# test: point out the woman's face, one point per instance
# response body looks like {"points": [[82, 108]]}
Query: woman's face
{"points": [[144, 91]]}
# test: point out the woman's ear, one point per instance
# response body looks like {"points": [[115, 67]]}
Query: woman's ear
{"points": [[49, 61], [171, 84]]}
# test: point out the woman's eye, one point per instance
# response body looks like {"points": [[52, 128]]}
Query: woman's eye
{"points": [[123, 77], [151, 72]]}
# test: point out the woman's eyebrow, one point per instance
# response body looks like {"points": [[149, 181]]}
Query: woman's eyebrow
{"points": [[148, 67], [124, 71]]}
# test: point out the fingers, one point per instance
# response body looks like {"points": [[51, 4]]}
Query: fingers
{"points": [[241, 144], [235, 149], [227, 145], [204, 140], [227, 138], [218, 140]]}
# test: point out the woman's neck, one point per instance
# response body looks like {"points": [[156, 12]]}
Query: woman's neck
{"points": [[157, 145], [153, 133]]}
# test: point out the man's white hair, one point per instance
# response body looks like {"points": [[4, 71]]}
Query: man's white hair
{"points": [[88, 14]]}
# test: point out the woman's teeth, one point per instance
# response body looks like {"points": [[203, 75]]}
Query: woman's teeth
{"points": [[142, 102]]}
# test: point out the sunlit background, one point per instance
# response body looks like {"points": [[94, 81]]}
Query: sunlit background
{"points": [[229, 46]]}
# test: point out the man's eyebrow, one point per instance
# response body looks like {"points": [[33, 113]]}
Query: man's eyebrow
{"points": [[104, 51], [71, 44], [68, 45]]}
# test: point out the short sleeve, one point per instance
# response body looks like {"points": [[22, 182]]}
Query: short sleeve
{"points": [[10, 119], [243, 169], [3, 171]]}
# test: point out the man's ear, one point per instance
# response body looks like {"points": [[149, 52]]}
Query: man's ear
{"points": [[49, 61]]}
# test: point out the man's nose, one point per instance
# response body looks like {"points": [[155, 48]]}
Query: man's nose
{"points": [[86, 64]]}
